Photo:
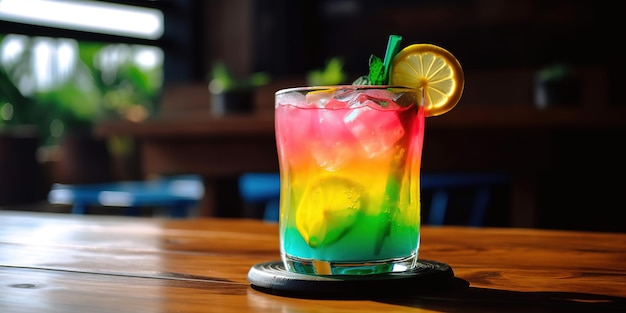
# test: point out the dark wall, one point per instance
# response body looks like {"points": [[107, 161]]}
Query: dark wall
{"points": [[291, 37]]}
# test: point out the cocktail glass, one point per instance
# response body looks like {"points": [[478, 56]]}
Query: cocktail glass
{"points": [[349, 161]]}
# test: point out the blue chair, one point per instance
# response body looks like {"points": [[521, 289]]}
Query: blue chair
{"points": [[262, 188], [441, 185], [177, 194], [265, 188]]}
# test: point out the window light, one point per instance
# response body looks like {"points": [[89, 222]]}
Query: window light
{"points": [[93, 16]]}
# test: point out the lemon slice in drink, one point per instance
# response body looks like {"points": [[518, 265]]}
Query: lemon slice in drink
{"points": [[328, 210], [433, 70]]}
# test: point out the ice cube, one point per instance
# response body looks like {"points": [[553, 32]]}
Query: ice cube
{"points": [[335, 104], [329, 98], [319, 98], [346, 95], [376, 130], [379, 93], [290, 98], [331, 142], [378, 99]]}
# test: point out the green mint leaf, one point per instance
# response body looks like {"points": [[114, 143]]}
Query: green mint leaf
{"points": [[377, 70], [362, 81]]}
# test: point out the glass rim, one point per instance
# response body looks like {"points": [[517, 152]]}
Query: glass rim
{"points": [[344, 87]]}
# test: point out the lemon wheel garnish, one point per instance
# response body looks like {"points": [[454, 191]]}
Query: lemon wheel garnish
{"points": [[434, 71], [328, 210]]}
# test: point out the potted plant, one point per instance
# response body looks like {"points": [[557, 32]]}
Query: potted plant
{"points": [[557, 85], [230, 95], [63, 114]]}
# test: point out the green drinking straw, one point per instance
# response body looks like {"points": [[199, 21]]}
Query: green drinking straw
{"points": [[392, 187], [393, 46], [379, 69]]}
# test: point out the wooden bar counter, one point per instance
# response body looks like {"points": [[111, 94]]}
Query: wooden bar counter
{"points": [[51, 262]]}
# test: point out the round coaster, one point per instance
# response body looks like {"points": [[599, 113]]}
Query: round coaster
{"points": [[273, 278]]}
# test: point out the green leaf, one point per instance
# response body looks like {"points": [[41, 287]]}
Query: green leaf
{"points": [[331, 74], [377, 70], [362, 81]]}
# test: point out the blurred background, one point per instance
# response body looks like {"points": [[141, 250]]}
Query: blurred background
{"points": [[543, 108]]}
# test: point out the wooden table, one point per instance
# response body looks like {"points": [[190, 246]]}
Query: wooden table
{"points": [[52, 262]]}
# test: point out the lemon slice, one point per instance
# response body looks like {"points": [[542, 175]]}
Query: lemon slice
{"points": [[433, 70], [328, 210]]}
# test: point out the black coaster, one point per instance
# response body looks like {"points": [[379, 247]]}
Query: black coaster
{"points": [[273, 278]]}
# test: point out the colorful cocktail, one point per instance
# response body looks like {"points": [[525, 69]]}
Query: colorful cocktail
{"points": [[350, 161], [350, 197]]}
